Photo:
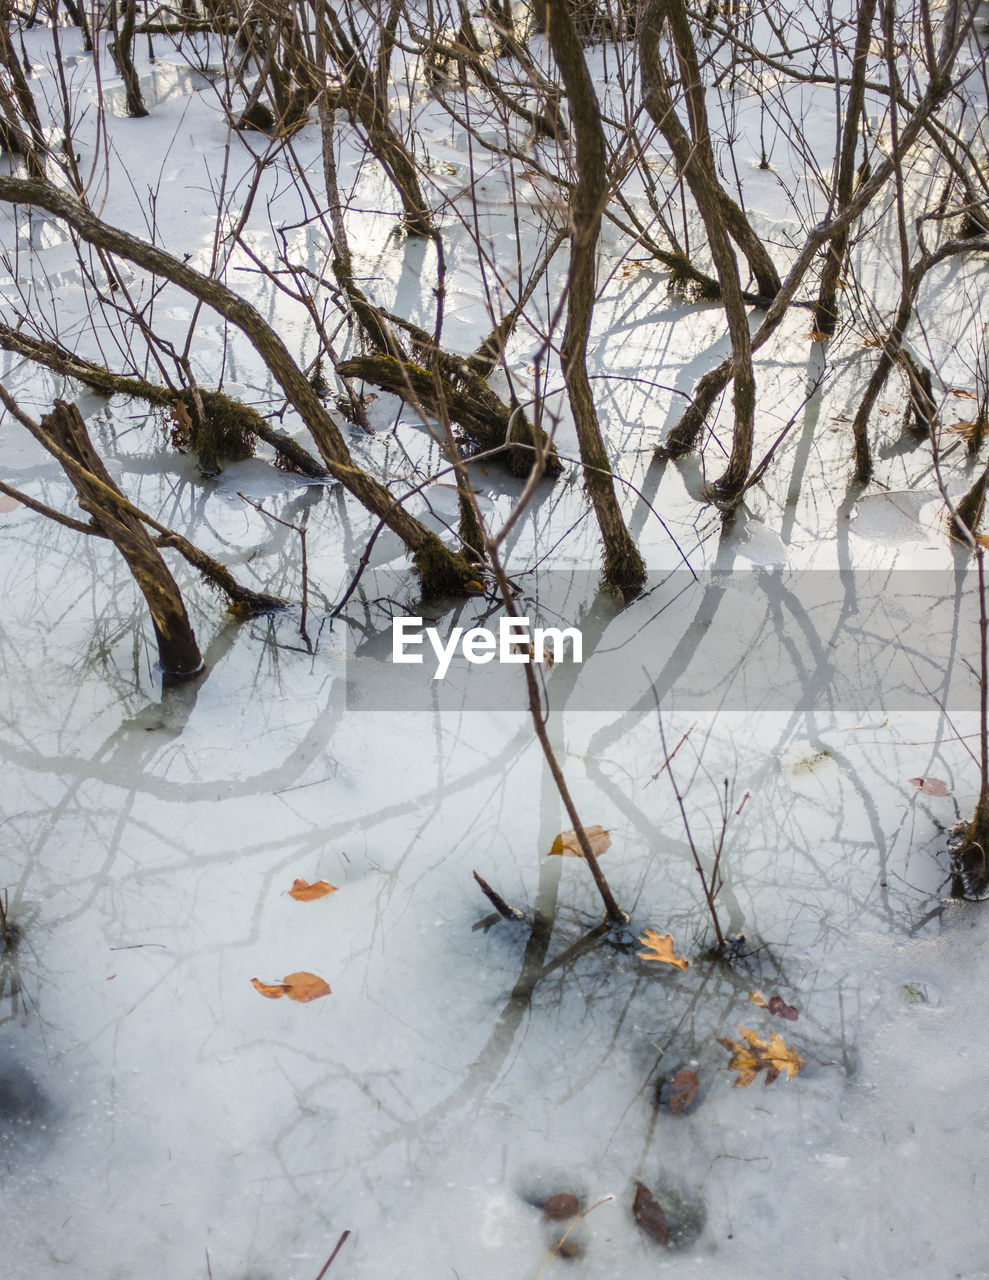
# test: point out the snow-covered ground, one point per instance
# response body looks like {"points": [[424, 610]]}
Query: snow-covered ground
{"points": [[159, 1118]]}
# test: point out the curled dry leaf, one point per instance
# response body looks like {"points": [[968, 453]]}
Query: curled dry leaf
{"points": [[660, 948], [964, 395], [302, 891], [756, 1054], [931, 786], [648, 1213], [301, 987], [683, 1090], [567, 845]]}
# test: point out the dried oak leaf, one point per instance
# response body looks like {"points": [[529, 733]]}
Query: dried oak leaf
{"points": [[301, 987], [757, 1055], [660, 948], [648, 1213], [683, 1090], [931, 786], [302, 891], [567, 845]]}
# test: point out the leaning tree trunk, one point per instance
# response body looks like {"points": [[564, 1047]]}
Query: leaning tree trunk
{"points": [[623, 567], [178, 652]]}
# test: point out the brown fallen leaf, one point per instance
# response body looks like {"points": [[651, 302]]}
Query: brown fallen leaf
{"points": [[776, 1006], [757, 1055], [964, 395], [780, 1009], [660, 948], [683, 1090], [648, 1213], [560, 1207], [566, 844], [965, 428], [301, 987], [302, 891], [817, 335], [931, 786], [873, 341]]}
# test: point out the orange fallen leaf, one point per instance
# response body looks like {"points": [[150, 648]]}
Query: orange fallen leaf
{"points": [[567, 845], [773, 1056], [301, 987], [964, 395], [302, 891], [661, 949], [273, 990], [758, 998], [817, 335]]}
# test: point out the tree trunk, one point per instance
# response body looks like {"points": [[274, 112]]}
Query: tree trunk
{"points": [[826, 312], [623, 567], [178, 652], [700, 172], [123, 56]]}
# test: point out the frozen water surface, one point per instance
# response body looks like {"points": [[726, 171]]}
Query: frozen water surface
{"points": [[159, 1118]]}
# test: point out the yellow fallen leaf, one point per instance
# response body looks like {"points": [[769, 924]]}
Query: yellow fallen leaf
{"points": [[758, 998], [301, 987], [661, 949], [757, 1055], [302, 891], [567, 845]]}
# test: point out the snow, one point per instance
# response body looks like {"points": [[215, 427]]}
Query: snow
{"points": [[157, 1117]]}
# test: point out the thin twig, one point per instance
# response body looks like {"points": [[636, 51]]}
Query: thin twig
{"points": [[497, 901], [666, 762], [329, 1261], [562, 1240]]}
